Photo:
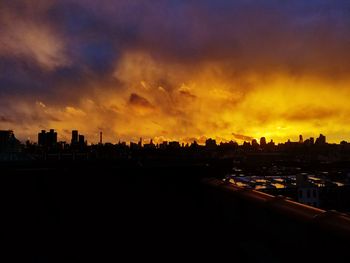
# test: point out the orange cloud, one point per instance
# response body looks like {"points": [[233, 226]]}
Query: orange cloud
{"points": [[277, 106], [140, 104]]}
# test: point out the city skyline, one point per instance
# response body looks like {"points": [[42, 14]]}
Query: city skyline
{"points": [[78, 138]]}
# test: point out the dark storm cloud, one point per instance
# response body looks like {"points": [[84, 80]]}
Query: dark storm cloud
{"points": [[242, 137], [187, 94], [139, 101], [6, 119], [249, 35]]}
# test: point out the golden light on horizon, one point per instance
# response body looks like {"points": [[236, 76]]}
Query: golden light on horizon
{"points": [[169, 102]]}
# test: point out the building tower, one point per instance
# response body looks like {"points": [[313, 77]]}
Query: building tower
{"points": [[42, 138], [81, 140], [75, 136], [262, 142], [321, 140]]}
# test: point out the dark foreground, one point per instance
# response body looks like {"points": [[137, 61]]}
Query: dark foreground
{"points": [[106, 212]]}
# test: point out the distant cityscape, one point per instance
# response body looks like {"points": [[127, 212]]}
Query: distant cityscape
{"points": [[48, 146], [47, 141], [309, 171]]}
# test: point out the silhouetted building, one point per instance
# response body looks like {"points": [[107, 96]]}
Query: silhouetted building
{"points": [[231, 145], [61, 146], [134, 146], [163, 145], [194, 145], [8, 142], [301, 140], [47, 139], [309, 142], [312, 140], [262, 142], [42, 138], [150, 145], [140, 143], [343, 142], [52, 138], [321, 140], [6, 136], [81, 140], [75, 137], [246, 145], [101, 139], [174, 145], [271, 144], [255, 144], [210, 144]]}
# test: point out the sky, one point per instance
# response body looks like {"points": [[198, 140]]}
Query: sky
{"points": [[176, 69]]}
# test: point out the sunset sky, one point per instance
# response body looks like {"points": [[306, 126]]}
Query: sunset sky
{"points": [[176, 69]]}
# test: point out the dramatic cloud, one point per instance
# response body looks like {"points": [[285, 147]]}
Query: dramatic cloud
{"points": [[140, 102], [180, 69], [242, 137], [24, 35]]}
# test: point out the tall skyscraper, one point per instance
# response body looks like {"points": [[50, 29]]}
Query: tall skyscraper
{"points": [[140, 142], [255, 143], [42, 138], [321, 140], [47, 139], [81, 140], [262, 142], [75, 137]]}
